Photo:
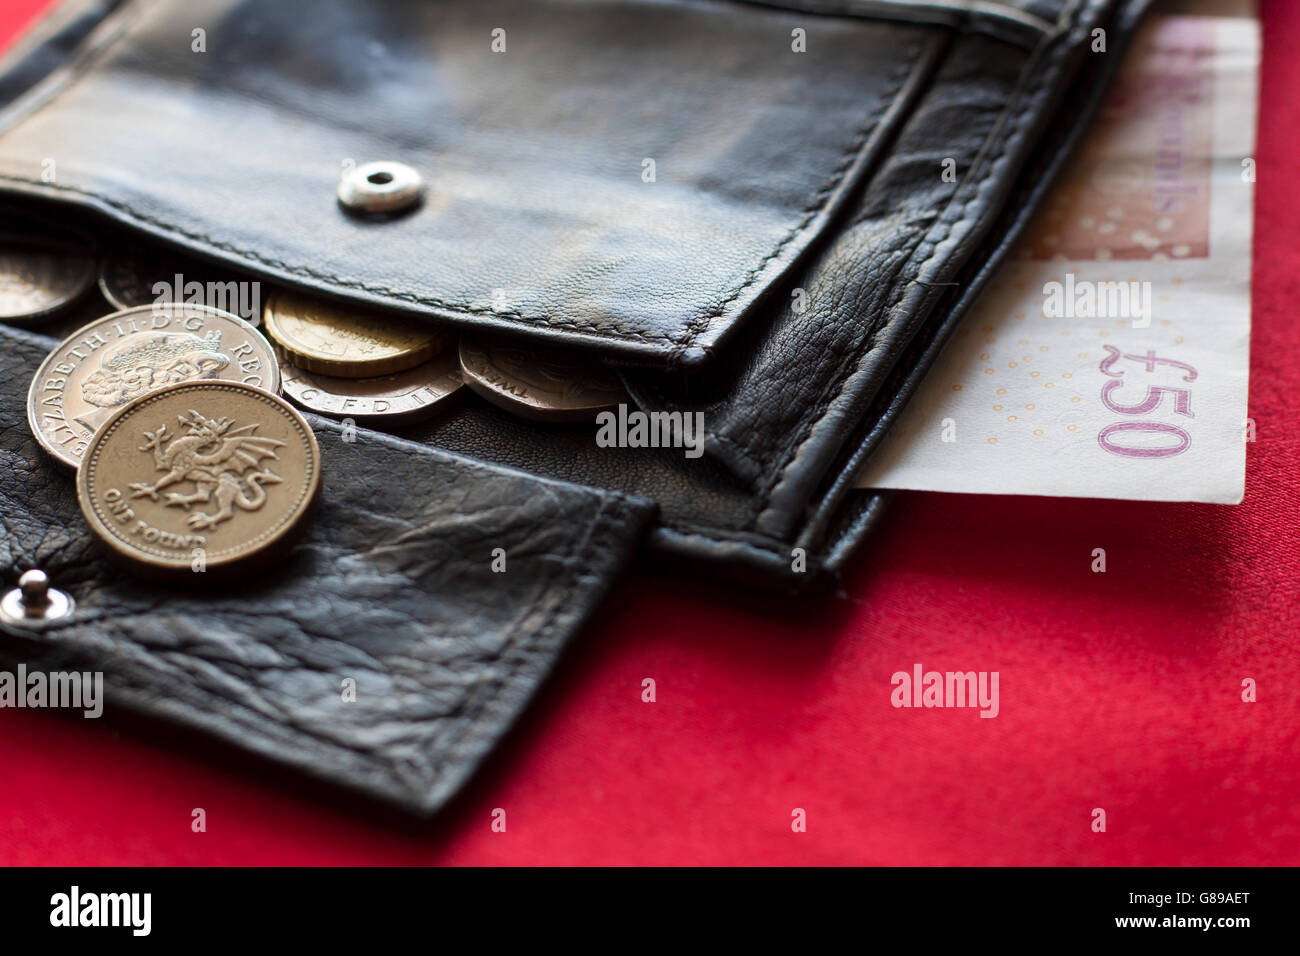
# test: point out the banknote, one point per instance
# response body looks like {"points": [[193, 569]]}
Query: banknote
{"points": [[1109, 357]]}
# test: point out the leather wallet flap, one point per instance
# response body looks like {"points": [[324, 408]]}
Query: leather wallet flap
{"points": [[442, 589], [621, 174]]}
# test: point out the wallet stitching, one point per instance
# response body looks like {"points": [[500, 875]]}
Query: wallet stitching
{"points": [[692, 331], [307, 272], [837, 385], [887, 100]]}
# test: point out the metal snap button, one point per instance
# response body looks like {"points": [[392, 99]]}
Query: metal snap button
{"points": [[380, 187], [34, 600]]}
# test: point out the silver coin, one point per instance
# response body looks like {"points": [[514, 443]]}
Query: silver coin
{"points": [[397, 399], [120, 357], [538, 383], [136, 276], [37, 283]]}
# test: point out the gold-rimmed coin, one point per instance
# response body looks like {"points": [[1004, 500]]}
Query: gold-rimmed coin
{"points": [[36, 283], [118, 358], [200, 476], [538, 383], [328, 339], [397, 399]]}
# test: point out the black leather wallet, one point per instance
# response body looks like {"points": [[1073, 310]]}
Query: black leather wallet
{"points": [[771, 214]]}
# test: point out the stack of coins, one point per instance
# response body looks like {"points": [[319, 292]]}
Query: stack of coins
{"points": [[185, 456], [376, 369], [169, 408], [386, 370]]}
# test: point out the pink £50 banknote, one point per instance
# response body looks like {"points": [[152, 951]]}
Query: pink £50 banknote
{"points": [[1109, 357]]}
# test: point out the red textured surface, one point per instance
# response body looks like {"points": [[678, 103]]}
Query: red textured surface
{"points": [[1118, 690]]}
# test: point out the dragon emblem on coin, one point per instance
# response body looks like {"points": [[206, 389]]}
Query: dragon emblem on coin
{"points": [[224, 463]]}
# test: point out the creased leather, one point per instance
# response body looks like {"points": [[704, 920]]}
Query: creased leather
{"points": [[392, 588]]}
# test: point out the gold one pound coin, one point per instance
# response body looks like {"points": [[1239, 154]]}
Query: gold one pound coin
{"points": [[200, 476], [332, 340]]}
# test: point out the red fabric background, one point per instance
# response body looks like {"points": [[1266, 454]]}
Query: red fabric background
{"points": [[1118, 690]]}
